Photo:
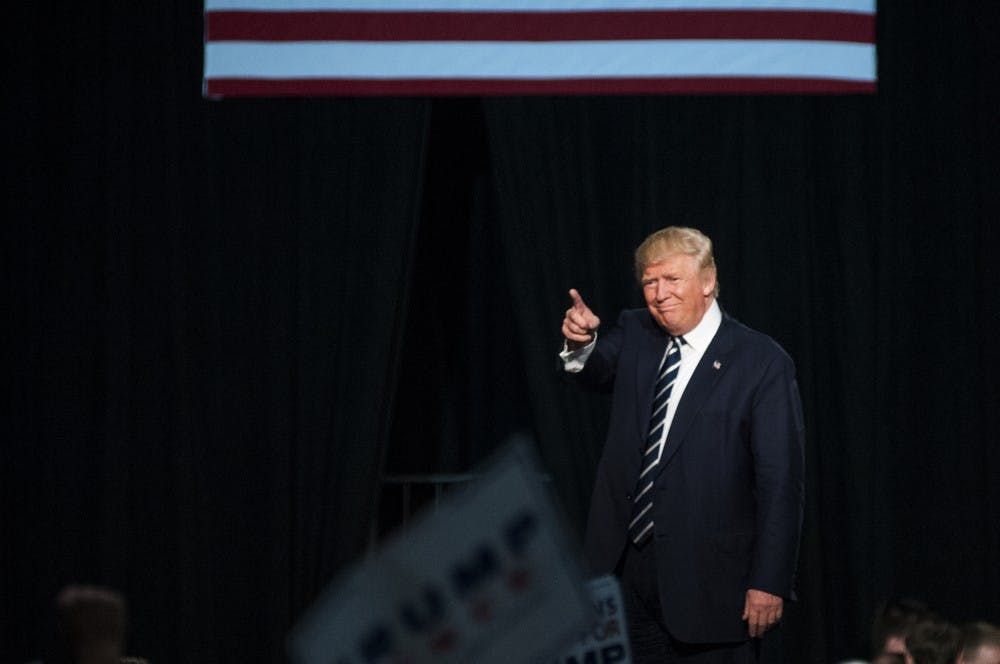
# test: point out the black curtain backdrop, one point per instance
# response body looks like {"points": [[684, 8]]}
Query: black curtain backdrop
{"points": [[228, 319], [210, 302]]}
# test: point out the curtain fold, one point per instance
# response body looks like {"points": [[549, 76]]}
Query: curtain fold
{"points": [[208, 302]]}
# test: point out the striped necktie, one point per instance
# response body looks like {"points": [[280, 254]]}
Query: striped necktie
{"points": [[641, 525]]}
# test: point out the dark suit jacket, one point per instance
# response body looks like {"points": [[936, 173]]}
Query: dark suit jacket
{"points": [[729, 486]]}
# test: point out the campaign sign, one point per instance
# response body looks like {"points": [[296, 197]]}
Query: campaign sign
{"points": [[606, 642], [486, 578]]}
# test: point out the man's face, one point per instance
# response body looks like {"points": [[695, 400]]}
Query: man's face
{"points": [[677, 292]]}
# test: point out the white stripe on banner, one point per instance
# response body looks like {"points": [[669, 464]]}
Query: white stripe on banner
{"points": [[858, 6], [507, 60]]}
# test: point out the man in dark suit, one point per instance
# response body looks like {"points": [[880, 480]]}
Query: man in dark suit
{"points": [[698, 500]]}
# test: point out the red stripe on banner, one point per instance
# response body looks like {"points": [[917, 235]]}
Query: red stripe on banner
{"points": [[537, 26], [241, 87]]}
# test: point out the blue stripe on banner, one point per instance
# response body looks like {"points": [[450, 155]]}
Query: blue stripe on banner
{"points": [[500, 60]]}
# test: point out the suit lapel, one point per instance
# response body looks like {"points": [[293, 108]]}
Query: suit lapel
{"points": [[654, 344], [706, 375]]}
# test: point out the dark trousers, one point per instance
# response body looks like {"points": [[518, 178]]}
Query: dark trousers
{"points": [[648, 635]]}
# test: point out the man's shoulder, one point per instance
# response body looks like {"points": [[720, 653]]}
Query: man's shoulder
{"points": [[753, 341], [635, 324], [639, 316]]}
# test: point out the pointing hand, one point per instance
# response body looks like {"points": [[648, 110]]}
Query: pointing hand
{"points": [[580, 323]]}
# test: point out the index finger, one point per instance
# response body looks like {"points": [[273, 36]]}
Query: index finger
{"points": [[577, 300]]}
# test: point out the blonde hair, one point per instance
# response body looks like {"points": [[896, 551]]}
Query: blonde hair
{"points": [[675, 240]]}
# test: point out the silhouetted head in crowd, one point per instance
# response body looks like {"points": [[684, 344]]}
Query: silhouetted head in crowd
{"points": [[892, 619], [932, 641], [980, 644], [90, 626]]}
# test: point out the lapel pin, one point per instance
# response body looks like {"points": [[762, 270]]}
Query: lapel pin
{"points": [[716, 365]]}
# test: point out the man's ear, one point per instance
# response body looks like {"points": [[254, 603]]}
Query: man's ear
{"points": [[707, 281]]}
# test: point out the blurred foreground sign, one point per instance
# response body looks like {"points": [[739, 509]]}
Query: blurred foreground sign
{"points": [[606, 642], [485, 578]]}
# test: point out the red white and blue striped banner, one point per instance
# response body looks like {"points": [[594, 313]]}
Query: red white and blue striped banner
{"points": [[488, 47]]}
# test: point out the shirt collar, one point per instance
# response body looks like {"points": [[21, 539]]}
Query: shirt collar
{"points": [[703, 333]]}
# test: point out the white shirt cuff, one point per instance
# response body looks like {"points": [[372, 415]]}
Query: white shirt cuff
{"points": [[574, 360]]}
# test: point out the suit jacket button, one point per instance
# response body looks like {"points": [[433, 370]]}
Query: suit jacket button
{"points": [[628, 496]]}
